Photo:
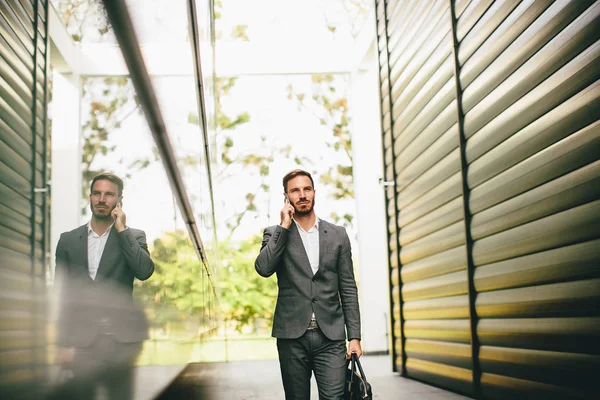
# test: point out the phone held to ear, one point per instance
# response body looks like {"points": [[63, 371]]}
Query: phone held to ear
{"points": [[286, 198]]}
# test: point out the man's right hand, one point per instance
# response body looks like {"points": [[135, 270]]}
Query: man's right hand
{"points": [[65, 355], [286, 215]]}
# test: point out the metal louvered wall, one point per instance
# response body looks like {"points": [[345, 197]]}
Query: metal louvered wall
{"points": [[491, 135], [23, 196]]}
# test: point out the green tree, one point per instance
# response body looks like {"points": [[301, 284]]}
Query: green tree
{"points": [[176, 291], [245, 297]]}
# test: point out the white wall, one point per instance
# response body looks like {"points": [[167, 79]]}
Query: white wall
{"points": [[66, 156], [372, 238]]}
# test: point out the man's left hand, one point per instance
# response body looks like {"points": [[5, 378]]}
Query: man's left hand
{"points": [[118, 215], [354, 347]]}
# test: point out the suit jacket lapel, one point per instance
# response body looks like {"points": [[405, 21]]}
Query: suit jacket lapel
{"points": [[81, 250], [297, 247], [322, 241], [109, 255]]}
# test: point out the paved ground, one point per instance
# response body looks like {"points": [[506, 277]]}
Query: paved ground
{"points": [[248, 380]]}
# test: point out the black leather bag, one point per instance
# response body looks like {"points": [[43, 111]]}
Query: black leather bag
{"points": [[357, 386]]}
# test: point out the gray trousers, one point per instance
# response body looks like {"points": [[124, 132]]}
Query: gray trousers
{"points": [[312, 352]]}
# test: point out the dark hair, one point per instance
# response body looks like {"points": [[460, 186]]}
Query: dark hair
{"points": [[107, 176], [294, 173]]}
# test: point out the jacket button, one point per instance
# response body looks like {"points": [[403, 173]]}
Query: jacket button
{"points": [[314, 279], [314, 300]]}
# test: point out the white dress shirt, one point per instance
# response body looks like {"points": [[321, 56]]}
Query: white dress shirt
{"points": [[310, 240], [96, 244]]}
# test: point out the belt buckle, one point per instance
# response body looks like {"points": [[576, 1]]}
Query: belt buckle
{"points": [[313, 324]]}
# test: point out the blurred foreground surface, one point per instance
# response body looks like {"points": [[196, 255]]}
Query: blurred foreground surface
{"points": [[262, 380]]}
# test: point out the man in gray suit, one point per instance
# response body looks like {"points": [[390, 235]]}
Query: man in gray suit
{"points": [[100, 330], [317, 300]]}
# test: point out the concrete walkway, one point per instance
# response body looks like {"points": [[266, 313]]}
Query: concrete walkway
{"points": [[246, 380]]}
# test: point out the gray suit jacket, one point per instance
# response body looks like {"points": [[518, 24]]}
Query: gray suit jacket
{"points": [[89, 307], [330, 293]]}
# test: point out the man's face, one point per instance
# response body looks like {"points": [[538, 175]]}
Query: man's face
{"points": [[103, 198], [301, 194]]}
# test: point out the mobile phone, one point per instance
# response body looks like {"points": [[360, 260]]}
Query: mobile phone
{"points": [[120, 201], [286, 199]]}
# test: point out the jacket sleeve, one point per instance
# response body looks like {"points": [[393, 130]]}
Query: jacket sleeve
{"points": [[271, 250], [348, 290], [134, 247]]}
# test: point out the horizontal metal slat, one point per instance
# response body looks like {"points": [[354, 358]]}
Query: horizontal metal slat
{"points": [[459, 379], [15, 222], [430, 146], [560, 368], [426, 27], [491, 19], [472, 14], [22, 68], [411, 95], [425, 74], [493, 91], [526, 29], [16, 142], [10, 25], [573, 226], [569, 154], [574, 114], [439, 264], [439, 218], [455, 354], [399, 28], [14, 161], [452, 284], [580, 73], [574, 189], [502, 387], [452, 330], [446, 238], [577, 335], [14, 241], [20, 108], [442, 307], [579, 261], [431, 180], [438, 116], [579, 298], [574, 43], [443, 193]]}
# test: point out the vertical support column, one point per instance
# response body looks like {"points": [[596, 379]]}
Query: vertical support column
{"points": [[66, 156], [373, 271], [466, 211], [400, 299]]}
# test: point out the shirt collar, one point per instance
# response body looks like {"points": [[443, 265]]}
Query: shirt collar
{"points": [[315, 226], [90, 231]]}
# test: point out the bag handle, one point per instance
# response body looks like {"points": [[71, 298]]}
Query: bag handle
{"points": [[355, 361]]}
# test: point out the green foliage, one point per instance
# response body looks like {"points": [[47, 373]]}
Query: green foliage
{"points": [[177, 283], [244, 296], [177, 289]]}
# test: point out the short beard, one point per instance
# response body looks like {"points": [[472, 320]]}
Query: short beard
{"points": [[298, 212], [99, 216]]}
